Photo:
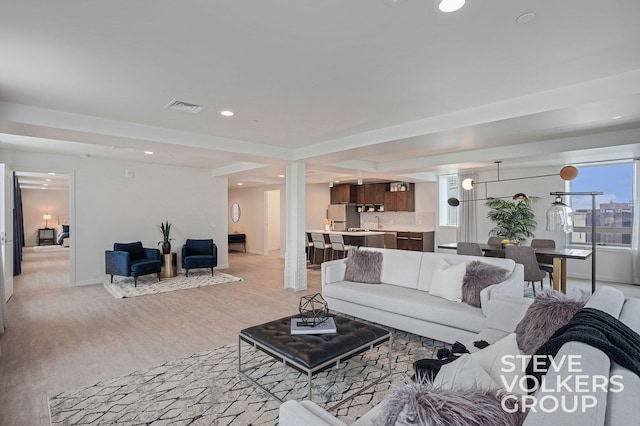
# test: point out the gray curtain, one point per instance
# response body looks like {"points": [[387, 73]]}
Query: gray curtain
{"points": [[468, 221], [635, 225]]}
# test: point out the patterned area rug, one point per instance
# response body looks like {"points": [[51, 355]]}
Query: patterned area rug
{"points": [[149, 284], [204, 389]]}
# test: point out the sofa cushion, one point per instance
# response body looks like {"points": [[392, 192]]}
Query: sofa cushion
{"points": [[411, 303], [400, 267], [135, 250], [549, 311], [464, 373], [478, 276], [363, 266], [144, 267], [425, 404], [447, 280]]}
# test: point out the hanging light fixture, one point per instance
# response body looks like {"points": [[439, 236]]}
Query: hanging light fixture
{"points": [[559, 216], [566, 173]]}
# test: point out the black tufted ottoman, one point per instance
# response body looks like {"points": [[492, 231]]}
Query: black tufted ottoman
{"points": [[311, 354]]}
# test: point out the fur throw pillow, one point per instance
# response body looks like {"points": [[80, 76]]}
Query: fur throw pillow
{"points": [[479, 276], [364, 266], [424, 404], [549, 311]]}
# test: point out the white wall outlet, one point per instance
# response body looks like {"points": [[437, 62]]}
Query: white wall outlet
{"points": [[128, 173], [213, 224]]}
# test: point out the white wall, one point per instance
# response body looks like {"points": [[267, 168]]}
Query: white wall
{"points": [[318, 199], [37, 202], [110, 207]]}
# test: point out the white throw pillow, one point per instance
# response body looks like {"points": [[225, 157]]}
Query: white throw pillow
{"points": [[447, 280], [464, 373], [508, 375]]}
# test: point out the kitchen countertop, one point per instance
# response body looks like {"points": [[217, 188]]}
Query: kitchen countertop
{"points": [[350, 233]]}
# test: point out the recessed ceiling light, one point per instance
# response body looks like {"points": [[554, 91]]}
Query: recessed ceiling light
{"points": [[336, 181], [448, 6], [616, 117], [45, 184], [240, 184], [52, 174], [47, 180], [226, 113], [149, 152], [281, 176], [525, 18]]}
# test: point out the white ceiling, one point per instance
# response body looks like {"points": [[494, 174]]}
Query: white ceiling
{"points": [[355, 88]]}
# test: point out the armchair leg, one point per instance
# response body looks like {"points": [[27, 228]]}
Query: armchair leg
{"points": [[135, 281], [111, 279], [186, 272], [211, 271], [158, 276]]}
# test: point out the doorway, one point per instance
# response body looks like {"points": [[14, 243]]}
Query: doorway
{"points": [[48, 229], [272, 221]]}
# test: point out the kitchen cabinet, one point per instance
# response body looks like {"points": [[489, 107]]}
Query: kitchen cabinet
{"points": [[416, 241], [343, 194], [370, 194], [400, 201]]}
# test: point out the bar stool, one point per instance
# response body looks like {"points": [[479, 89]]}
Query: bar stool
{"points": [[319, 244], [337, 245]]}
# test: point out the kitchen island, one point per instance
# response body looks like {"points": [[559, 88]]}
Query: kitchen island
{"points": [[356, 238]]}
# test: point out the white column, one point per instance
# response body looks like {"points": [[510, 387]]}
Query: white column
{"points": [[295, 260]]}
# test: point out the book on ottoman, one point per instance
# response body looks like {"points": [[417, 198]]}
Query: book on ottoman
{"points": [[298, 326]]}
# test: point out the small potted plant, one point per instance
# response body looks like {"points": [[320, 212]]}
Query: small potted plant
{"points": [[165, 228]]}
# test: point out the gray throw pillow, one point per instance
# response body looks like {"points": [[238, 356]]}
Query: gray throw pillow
{"points": [[425, 404], [549, 311], [479, 276], [364, 266]]}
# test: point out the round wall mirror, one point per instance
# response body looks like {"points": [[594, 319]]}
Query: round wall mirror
{"points": [[235, 212]]}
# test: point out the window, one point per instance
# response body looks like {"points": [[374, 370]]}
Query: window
{"points": [[614, 209], [448, 189]]}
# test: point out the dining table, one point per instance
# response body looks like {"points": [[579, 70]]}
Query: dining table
{"points": [[560, 256]]}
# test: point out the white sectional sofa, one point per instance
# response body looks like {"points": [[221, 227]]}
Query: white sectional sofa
{"points": [[403, 301], [573, 382]]}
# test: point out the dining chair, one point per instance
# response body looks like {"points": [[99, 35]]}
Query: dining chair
{"points": [[526, 256], [545, 261], [338, 245], [469, 249], [494, 241], [319, 244]]}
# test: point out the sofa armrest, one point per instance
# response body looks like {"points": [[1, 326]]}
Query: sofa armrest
{"points": [[307, 413], [505, 312], [117, 262], [333, 271], [152, 253], [513, 286]]}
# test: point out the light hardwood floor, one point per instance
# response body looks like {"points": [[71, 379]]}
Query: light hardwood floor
{"points": [[62, 337]]}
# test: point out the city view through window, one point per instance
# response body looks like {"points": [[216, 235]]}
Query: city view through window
{"points": [[614, 209]]}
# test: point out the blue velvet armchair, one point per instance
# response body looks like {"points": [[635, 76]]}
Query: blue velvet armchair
{"points": [[199, 254], [132, 260]]}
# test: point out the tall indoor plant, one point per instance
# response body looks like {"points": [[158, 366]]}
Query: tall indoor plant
{"points": [[165, 228], [514, 221]]}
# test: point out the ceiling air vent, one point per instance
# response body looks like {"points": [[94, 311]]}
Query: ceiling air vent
{"points": [[184, 106]]}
